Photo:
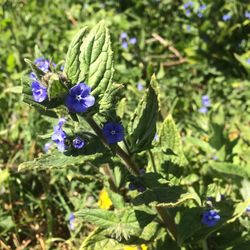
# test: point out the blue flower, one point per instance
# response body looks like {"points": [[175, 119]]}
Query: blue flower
{"points": [[210, 218], [226, 17], [248, 60], [125, 44], [247, 14], [78, 142], [203, 110], [140, 87], [79, 99], [133, 40], [188, 12], [43, 64], [72, 221], [59, 135], [39, 91], [188, 4], [248, 209], [202, 7], [47, 147], [123, 35], [205, 101], [136, 184], [199, 14], [113, 132]]}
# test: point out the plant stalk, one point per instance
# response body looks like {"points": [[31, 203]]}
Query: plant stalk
{"points": [[168, 221]]}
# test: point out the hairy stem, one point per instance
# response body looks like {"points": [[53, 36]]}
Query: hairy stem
{"points": [[132, 168], [168, 221]]}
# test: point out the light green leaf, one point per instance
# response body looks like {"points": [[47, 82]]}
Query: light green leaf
{"points": [[142, 126], [57, 160], [97, 240], [226, 169], [72, 61], [96, 60]]}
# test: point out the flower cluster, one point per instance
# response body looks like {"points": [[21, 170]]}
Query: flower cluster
{"points": [[113, 132], [39, 91], [126, 41], [205, 104], [59, 136], [210, 218], [188, 8]]}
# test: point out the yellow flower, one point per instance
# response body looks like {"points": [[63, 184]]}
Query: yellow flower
{"points": [[104, 201], [134, 247]]}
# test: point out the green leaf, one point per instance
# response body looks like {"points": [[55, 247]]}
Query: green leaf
{"points": [[142, 126], [100, 217], [168, 154], [120, 223], [190, 223], [72, 61], [239, 210], [97, 240], [226, 169], [57, 160], [96, 60], [171, 196]]}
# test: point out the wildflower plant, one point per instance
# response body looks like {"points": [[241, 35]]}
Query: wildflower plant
{"points": [[151, 207]]}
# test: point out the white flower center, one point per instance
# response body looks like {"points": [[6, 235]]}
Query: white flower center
{"points": [[78, 97], [112, 132]]}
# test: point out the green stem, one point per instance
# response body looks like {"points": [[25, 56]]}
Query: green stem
{"points": [[119, 151], [153, 161], [204, 244], [168, 221]]}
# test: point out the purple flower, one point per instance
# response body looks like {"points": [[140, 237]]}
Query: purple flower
{"points": [[199, 14], [205, 101], [43, 64], [133, 40], [72, 221], [247, 14], [59, 135], [46, 147], [202, 7], [136, 184], [140, 87], [188, 12], [113, 132], [39, 91], [248, 209], [226, 17], [78, 142], [188, 4], [203, 110], [210, 218], [123, 35], [125, 44], [79, 99]]}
